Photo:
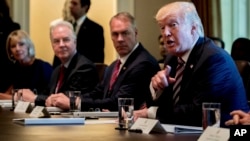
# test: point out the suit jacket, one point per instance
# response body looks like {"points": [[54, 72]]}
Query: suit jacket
{"points": [[133, 81], [81, 75], [210, 75], [90, 42], [6, 27]]}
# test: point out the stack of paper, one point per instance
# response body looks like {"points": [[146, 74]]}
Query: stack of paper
{"points": [[6, 103], [95, 114], [181, 129]]}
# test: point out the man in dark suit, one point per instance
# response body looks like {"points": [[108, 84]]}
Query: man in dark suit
{"points": [[90, 39], [76, 72], [208, 74], [136, 68], [7, 25]]}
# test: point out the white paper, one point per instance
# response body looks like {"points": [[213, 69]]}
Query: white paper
{"points": [[101, 121], [153, 125], [144, 124], [54, 109], [215, 134], [22, 107], [182, 129], [39, 111], [95, 114]]}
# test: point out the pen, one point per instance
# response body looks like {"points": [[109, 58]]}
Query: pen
{"points": [[135, 130]]}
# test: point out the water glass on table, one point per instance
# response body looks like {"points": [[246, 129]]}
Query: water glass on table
{"points": [[211, 115], [125, 113], [16, 97], [75, 101]]}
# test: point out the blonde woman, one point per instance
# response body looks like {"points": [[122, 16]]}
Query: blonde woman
{"points": [[27, 71]]}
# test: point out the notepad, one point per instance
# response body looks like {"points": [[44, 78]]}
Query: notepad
{"points": [[50, 121]]}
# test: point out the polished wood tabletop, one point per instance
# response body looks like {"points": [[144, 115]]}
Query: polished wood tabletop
{"points": [[10, 131]]}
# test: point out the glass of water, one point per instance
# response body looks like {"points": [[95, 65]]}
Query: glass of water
{"points": [[211, 115], [16, 97], [75, 101], [125, 111]]}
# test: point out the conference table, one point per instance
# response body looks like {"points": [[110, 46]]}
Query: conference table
{"points": [[10, 131]]}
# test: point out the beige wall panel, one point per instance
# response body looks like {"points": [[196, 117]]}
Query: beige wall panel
{"points": [[42, 12]]}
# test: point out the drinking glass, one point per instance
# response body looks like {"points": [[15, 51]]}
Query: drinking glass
{"points": [[125, 111], [16, 96], [211, 115], [75, 101]]}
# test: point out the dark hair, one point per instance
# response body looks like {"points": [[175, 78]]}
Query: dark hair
{"points": [[4, 10], [85, 3], [241, 49]]}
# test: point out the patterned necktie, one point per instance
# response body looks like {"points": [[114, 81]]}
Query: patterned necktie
{"points": [[178, 78], [60, 78], [114, 74]]}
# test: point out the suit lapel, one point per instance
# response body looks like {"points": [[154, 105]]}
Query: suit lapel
{"points": [[69, 71]]}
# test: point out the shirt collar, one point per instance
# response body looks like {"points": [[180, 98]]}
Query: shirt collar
{"points": [[66, 65], [79, 23], [186, 55], [81, 20], [125, 58]]}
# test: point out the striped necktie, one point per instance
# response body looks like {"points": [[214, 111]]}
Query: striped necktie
{"points": [[178, 78]]}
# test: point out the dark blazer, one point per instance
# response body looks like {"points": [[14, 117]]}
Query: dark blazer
{"points": [[210, 75], [133, 81], [6, 27], [90, 42], [81, 75]]}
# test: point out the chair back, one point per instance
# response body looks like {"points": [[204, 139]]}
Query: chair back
{"points": [[101, 67], [244, 70]]}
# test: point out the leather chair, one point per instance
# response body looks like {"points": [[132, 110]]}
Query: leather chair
{"points": [[101, 67], [244, 70]]}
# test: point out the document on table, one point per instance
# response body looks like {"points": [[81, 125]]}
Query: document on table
{"points": [[54, 109], [182, 129], [152, 125], [96, 114], [6, 103], [49, 121]]}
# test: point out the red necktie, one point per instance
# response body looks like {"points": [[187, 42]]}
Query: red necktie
{"points": [[115, 74], [60, 79]]}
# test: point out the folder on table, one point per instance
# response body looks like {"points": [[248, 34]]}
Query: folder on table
{"points": [[50, 121]]}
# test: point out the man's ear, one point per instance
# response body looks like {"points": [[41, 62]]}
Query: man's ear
{"points": [[193, 29]]}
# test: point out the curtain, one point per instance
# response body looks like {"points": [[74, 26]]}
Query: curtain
{"points": [[210, 14]]}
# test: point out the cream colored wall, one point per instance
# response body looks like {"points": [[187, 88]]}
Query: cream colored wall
{"points": [[101, 11], [42, 12]]}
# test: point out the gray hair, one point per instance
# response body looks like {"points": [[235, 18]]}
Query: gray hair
{"points": [[124, 16], [58, 23], [186, 10], [20, 35]]}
